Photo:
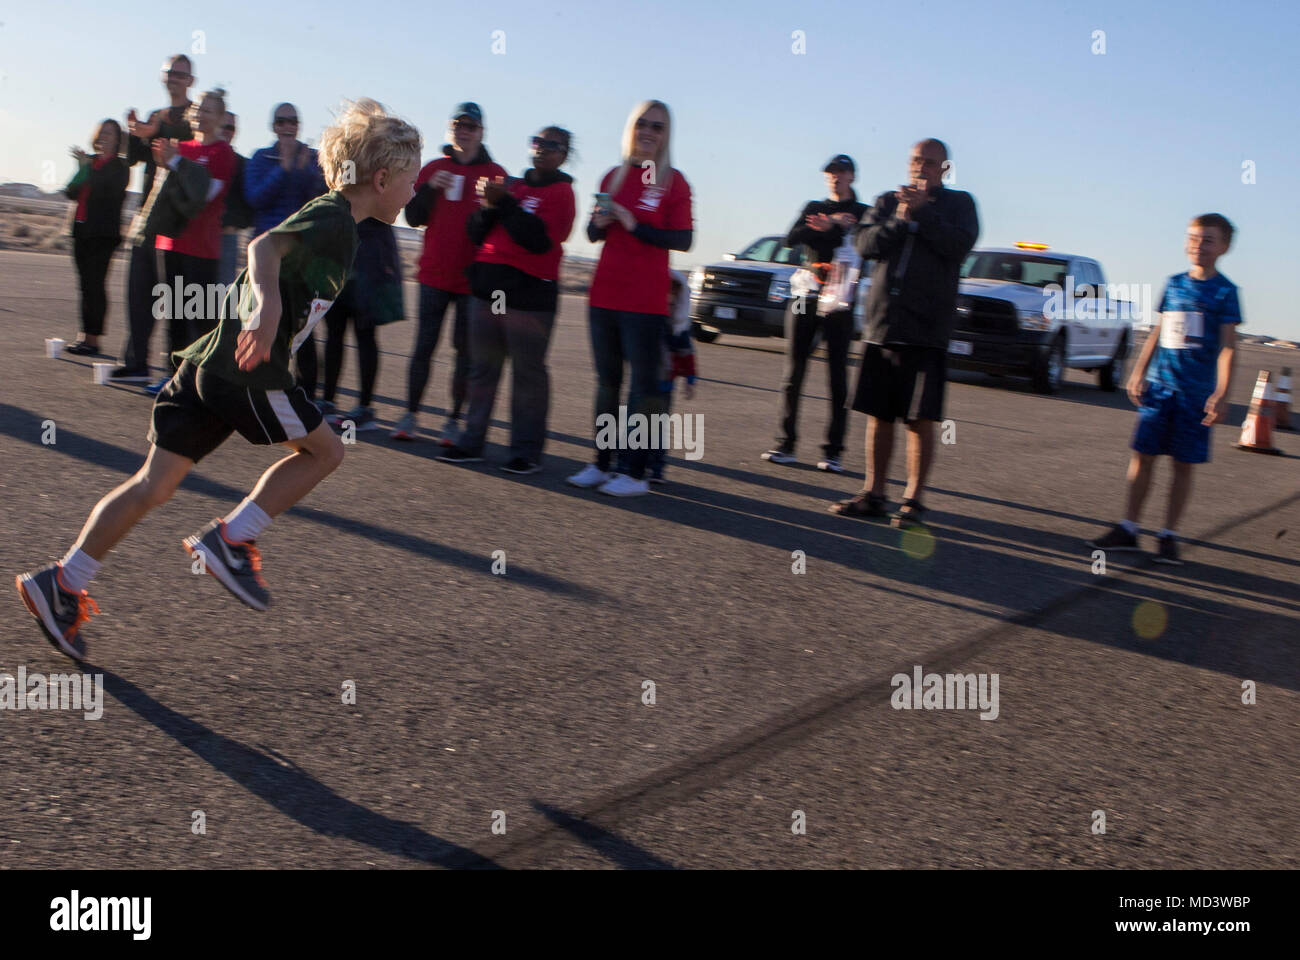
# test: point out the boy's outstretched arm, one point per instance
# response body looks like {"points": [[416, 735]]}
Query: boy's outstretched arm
{"points": [[1216, 407], [255, 341], [1138, 377]]}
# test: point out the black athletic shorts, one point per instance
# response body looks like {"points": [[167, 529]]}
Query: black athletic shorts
{"points": [[902, 382], [197, 410]]}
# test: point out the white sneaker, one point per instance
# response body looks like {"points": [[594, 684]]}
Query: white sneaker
{"points": [[621, 485], [589, 476]]}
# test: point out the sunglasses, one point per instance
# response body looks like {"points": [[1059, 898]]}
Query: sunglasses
{"points": [[657, 126], [228, 126], [293, 120], [177, 75], [541, 143], [467, 125]]}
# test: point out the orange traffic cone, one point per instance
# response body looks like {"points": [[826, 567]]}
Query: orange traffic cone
{"points": [[1282, 401], [1257, 431]]}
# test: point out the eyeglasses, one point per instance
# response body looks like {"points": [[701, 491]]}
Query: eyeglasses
{"points": [[293, 120], [177, 75], [540, 143], [468, 125], [657, 126]]}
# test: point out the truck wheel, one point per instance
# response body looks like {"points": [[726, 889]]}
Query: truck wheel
{"points": [[703, 334], [1049, 367], [1112, 375]]}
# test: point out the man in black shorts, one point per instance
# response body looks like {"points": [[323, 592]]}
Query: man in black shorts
{"points": [[918, 237]]}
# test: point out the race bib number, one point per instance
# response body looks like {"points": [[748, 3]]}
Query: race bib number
{"points": [[1177, 327], [318, 309]]}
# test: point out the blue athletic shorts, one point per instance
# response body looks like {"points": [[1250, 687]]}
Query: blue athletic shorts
{"points": [[1170, 423]]}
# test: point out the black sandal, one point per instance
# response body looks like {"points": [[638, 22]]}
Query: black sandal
{"points": [[910, 514], [863, 506]]}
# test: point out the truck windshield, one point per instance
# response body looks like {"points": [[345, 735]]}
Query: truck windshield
{"points": [[769, 250], [1014, 268]]}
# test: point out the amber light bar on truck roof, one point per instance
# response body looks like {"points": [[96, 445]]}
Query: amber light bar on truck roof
{"points": [[1031, 246]]}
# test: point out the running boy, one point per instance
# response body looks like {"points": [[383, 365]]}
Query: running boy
{"points": [[1183, 390], [236, 378]]}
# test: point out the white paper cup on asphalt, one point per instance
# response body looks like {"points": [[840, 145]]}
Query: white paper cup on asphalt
{"points": [[101, 371], [456, 189], [53, 347]]}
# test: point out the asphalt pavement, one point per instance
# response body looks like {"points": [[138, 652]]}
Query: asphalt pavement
{"points": [[518, 700]]}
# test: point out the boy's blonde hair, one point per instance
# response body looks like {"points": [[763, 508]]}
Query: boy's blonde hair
{"points": [[363, 139]]}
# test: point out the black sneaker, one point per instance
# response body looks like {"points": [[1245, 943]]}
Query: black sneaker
{"points": [[520, 465], [81, 349], [128, 375], [1116, 539], [777, 455], [59, 612], [1167, 551], [455, 454], [237, 566]]}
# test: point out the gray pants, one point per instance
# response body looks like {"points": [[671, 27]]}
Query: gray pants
{"points": [[524, 336]]}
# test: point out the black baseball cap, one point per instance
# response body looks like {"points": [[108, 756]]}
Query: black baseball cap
{"points": [[468, 109], [841, 161]]}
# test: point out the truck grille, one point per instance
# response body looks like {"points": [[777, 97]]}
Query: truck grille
{"points": [[736, 284], [986, 315]]}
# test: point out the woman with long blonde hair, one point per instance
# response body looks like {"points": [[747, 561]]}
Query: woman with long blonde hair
{"points": [[643, 211]]}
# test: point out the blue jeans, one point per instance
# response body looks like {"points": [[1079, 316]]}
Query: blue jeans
{"points": [[619, 337], [433, 308]]}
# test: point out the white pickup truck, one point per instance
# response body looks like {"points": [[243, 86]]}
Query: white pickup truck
{"points": [[1028, 311]]}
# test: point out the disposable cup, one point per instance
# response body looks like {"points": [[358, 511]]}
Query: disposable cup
{"points": [[101, 371], [53, 347]]}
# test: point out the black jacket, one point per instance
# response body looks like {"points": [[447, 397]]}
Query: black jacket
{"points": [[174, 126], [816, 246], [914, 283], [239, 214], [104, 205]]}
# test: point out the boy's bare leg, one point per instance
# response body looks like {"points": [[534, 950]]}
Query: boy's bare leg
{"points": [[1179, 491], [920, 455], [315, 457], [880, 448], [119, 511], [1139, 483]]}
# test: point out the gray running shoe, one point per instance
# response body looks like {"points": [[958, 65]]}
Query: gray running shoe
{"points": [[238, 566]]}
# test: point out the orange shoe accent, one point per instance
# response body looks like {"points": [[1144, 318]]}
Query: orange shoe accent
{"points": [[27, 601], [85, 606], [254, 555]]}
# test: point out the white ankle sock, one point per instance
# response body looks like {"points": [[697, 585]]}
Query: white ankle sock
{"points": [[1129, 525], [246, 522], [79, 569]]}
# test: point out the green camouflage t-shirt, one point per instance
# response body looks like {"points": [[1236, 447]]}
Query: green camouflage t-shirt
{"points": [[312, 275]]}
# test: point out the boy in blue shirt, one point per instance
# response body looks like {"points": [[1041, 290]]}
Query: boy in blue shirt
{"points": [[1180, 382]]}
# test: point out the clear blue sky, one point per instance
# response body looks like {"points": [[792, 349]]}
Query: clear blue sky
{"points": [[1106, 155]]}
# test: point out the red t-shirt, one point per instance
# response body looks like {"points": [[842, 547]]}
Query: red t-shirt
{"points": [[447, 247], [631, 274], [202, 235], [554, 204]]}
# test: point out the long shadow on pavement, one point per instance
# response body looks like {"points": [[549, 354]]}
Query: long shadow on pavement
{"points": [[24, 425], [291, 790]]}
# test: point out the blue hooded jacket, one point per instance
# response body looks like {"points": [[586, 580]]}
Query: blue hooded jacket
{"points": [[273, 192]]}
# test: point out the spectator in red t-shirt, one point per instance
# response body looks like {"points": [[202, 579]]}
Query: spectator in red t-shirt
{"points": [[99, 188], [444, 199], [647, 214], [194, 257], [520, 229]]}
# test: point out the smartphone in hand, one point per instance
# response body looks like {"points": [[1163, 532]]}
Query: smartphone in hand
{"points": [[602, 203]]}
